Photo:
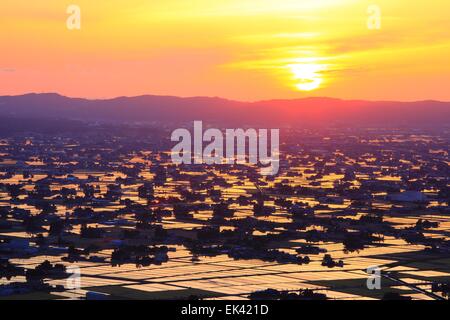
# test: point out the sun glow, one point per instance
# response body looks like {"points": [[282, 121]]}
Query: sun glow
{"points": [[307, 75], [228, 48]]}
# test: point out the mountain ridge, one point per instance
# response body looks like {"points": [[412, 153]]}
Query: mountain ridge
{"points": [[156, 108]]}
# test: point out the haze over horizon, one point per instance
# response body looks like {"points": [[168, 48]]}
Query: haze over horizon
{"points": [[311, 97], [172, 109]]}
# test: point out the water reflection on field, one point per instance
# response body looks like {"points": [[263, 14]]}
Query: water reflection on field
{"points": [[320, 198]]}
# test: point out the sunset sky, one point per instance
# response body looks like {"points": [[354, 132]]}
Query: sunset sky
{"points": [[237, 49]]}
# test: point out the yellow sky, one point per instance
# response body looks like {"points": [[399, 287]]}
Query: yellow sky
{"points": [[246, 49]]}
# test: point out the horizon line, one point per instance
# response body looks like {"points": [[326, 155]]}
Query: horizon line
{"points": [[216, 97]]}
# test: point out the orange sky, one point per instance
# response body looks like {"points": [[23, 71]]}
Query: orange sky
{"points": [[238, 49]]}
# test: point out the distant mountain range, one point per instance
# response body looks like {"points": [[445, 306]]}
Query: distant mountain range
{"points": [[150, 108]]}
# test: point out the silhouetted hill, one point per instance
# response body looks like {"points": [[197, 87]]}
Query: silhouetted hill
{"points": [[316, 111]]}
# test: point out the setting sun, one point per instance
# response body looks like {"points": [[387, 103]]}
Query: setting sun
{"points": [[307, 76], [229, 48]]}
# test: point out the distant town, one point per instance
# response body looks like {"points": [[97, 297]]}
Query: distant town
{"points": [[106, 201]]}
